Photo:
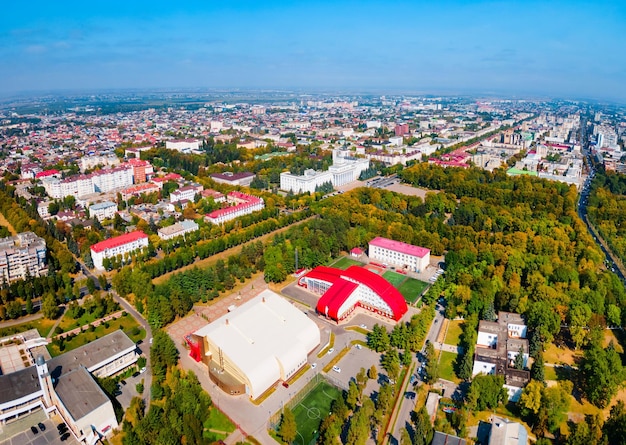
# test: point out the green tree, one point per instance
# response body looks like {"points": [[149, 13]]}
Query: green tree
{"points": [[287, 429], [372, 373], [378, 339], [530, 399], [601, 373], [519, 359], [614, 429], [614, 315], [390, 361], [537, 370], [49, 307]]}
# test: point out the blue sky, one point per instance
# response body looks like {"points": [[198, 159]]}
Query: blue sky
{"points": [[555, 48]]}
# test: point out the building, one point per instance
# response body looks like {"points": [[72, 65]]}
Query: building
{"points": [[103, 210], [440, 438], [142, 170], [89, 162], [138, 190], [309, 182], [183, 145], [238, 204], [401, 129], [100, 181], [241, 178], [118, 245], [256, 345], [497, 346], [399, 254], [178, 229], [344, 290], [506, 432], [65, 384], [345, 169], [188, 193], [21, 256]]}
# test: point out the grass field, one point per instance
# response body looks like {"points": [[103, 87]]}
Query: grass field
{"points": [[455, 329], [446, 366], [126, 323], [396, 279], [43, 326], [549, 373], [218, 421], [411, 289], [344, 262], [311, 410]]}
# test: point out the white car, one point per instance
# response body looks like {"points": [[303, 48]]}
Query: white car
{"points": [[313, 365], [358, 346], [336, 369], [364, 326], [142, 370], [331, 350]]}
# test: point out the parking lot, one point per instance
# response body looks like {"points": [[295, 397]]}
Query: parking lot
{"points": [[26, 436]]}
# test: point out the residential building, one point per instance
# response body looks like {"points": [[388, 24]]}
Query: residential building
{"points": [[399, 254], [89, 162], [506, 432], [21, 256], [142, 170], [103, 210], [141, 189], [497, 346], [178, 229], [118, 245], [183, 145], [188, 192]]}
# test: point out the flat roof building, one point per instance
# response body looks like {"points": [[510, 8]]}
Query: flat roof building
{"points": [[398, 253], [119, 245], [21, 256]]}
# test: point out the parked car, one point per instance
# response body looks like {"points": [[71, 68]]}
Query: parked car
{"points": [[336, 369], [313, 365], [34, 429], [331, 350], [41, 426]]}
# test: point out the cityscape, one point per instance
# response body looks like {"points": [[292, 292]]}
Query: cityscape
{"points": [[299, 246]]}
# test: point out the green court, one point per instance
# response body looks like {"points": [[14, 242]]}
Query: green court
{"points": [[396, 279], [411, 289], [312, 409], [344, 262]]}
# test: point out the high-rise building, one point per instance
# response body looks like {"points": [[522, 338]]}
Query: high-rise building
{"points": [[21, 256]]}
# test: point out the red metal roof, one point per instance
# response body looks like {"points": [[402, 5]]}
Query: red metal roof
{"points": [[399, 246], [118, 241], [344, 283]]}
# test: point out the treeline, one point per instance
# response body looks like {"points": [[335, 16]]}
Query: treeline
{"points": [[179, 409], [606, 210]]}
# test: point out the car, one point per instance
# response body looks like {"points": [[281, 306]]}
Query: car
{"points": [[136, 374], [62, 427], [151, 340], [41, 426], [364, 326], [34, 429], [358, 346], [123, 382], [65, 436], [331, 350], [337, 369], [313, 365], [142, 370], [286, 385]]}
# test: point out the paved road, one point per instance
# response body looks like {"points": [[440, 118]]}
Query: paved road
{"points": [[145, 346], [408, 401]]}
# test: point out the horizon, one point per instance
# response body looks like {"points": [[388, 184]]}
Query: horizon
{"points": [[468, 48]]}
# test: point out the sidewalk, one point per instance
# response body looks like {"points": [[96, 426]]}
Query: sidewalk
{"points": [[96, 323], [26, 319]]}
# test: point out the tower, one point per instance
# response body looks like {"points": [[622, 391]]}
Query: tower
{"points": [[44, 379]]}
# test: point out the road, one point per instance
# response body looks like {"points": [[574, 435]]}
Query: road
{"points": [[145, 346], [408, 398]]}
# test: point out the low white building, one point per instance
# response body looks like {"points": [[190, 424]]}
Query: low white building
{"points": [[399, 254], [257, 344], [103, 210], [178, 229], [118, 245], [306, 183], [188, 193], [183, 145]]}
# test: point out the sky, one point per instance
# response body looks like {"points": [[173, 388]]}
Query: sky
{"points": [[566, 49]]}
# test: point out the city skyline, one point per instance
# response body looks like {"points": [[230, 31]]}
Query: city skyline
{"points": [[456, 47]]}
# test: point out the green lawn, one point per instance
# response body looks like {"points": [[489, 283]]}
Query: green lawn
{"points": [[344, 262], [126, 323], [311, 410], [550, 373], [455, 329], [218, 421], [446, 366], [396, 279], [43, 326], [411, 289]]}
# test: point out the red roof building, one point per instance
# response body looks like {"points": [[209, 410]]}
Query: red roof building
{"points": [[398, 253], [344, 290], [118, 245]]}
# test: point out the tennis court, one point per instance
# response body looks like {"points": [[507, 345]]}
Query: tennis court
{"points": [[312, 409]]}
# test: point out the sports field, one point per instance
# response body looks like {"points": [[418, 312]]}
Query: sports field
{"points": [[411, 289], [344, 262], [396, 279], [312, 409]]}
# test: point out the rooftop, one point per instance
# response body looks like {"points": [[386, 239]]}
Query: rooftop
{"points": [[399, 246], [79, 392], [118, 241]]}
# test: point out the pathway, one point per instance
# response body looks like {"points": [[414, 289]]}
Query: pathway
{"points": [[21, 320], [94, 323]]}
